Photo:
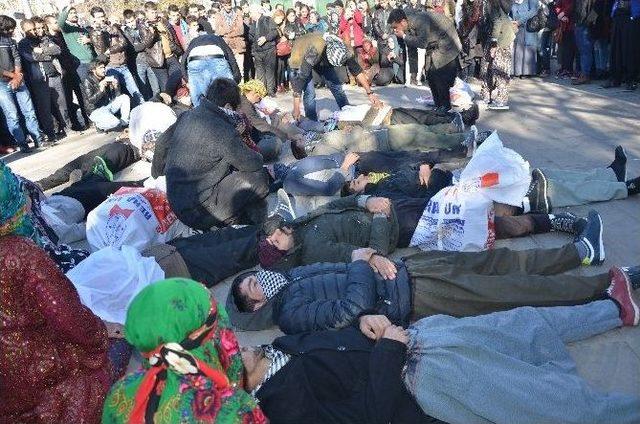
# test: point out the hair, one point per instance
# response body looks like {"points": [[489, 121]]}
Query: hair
{"points": [[223, 91], [193, 6], [47, 17], [304, 6], [346, 189], [254, 85], [173, 8], [279, 14], [289, 11], [37, 20], [298, 4], [7, 24], [128, 14], [200, 7], [396, 16], [150, 6], [97, 62], [95, 10], [242, 301], [191, 19]]}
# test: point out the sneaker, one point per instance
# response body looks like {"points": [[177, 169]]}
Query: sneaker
{"points": [[566, 222], [100, 168], [471, 115], [458, 122], [581, 80], [537, 200], [610, 84], [75, 176], [633, 186], [498, 106], [633, 273], [25, 149], [60, 135], [470, 140], [621, 292], [284, 207], [619, 164], [591, 238]]}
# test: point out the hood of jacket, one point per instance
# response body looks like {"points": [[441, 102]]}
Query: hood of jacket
{"points": [[261, 319]]}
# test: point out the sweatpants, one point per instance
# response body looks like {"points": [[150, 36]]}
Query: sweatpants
{"points": [[574, 188], [401, 115], [474, 283], [117, 156], [513, 366], [94, 189]]}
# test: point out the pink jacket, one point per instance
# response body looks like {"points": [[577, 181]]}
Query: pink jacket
{"points": [[351, 30]]}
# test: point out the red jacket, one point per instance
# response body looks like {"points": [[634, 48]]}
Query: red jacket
{"points": [[53, 361], [351, 30]]}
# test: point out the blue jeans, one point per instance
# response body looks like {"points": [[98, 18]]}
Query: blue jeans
{"points": [[201, 74], [585, 49], [492, 368], [8, 98], [126, 79], [147, 78], [333, 84], [104, 117], [601, 55], [315, 176]]}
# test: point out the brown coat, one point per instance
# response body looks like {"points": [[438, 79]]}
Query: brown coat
{"points": [[232, 34]]}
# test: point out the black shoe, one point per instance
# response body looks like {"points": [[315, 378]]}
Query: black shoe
{"points": [[633, 186], [566, 222], [62, 134], [536, 200], [471, 115], [631, 86], [610, 84], [591, 237], [633, 273], [482, 136], [25, 149], [619, 164], [283, 207]]}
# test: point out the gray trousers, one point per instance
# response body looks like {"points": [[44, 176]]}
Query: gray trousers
{"points": [[574, 188], [473, 283], [513, 367]]}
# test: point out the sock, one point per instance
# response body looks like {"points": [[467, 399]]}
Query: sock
{"points": [[583, 250], [526, 206]]}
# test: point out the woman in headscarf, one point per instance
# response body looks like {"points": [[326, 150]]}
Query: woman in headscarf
{"points": [[193, 369], [53, 350]]}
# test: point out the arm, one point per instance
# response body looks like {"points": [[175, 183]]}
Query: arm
{"points": [[26, 52], [51, 49], [237, 29], [272, 34], [380, 234], [235, 152], [301, 312], [258, 122], [62, 20]]}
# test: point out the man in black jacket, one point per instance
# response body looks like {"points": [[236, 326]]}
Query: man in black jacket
{"points": [[136, 56], [213, 178], [437, 34], [263, 33], [103, 99], [325, 296], [333, 376]]}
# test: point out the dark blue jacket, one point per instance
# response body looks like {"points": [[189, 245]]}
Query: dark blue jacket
{"points": [[330, 296]]}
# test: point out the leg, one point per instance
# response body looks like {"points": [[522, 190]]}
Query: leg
{"points": [[309, 101], [269, 62], [59, 102], [314, 176], [174, 76], [418, 137], [393, 161], [573, 188], [93, 190], [28, 112], [118, 156], [199, 80], [104, 119], [335, 86], [162, 76], [521, 225], [11, 116], [585, 49], [502, 64], [121, 105], [239, 60], [125, 78], [42, 101], [420, 116]]}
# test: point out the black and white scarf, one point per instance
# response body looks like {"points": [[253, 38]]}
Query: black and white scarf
{"points": [[271, 282], [278, 360]]}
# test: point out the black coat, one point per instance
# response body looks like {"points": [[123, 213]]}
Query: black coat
{"points": [[264, 27], [93, 97], [328, 296], [437, 34], [339, 377]]}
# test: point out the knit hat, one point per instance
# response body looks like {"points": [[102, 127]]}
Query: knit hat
{"points": [[268, 254], [254, 85], [336, 50]]}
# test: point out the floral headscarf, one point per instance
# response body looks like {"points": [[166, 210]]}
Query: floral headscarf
{"points": [[242, 124], [193, 371], [14, 214]]}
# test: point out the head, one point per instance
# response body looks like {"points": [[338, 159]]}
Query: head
{"points": [[314, 18], [52, 24], [291, 16], [278, 17], [254, 90], [98, 17], [192, 23], [279, 6], [28, 28], [398, 19], [192, 10], [202, 11], [247, 293], [363, 6], [255, 11], [393, 4], [151, 11], [174, 14], [338, 5], [266, 6], [413, 3], [129, 18], [7, 25], [356, 185], [224, 92], [98, 68], [40, 27], [384, 3], [73, 15], [226, 5], [367, 45], [304, 11]]}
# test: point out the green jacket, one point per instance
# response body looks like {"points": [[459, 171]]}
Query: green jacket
{"points": [[83, 52], [332, 232]]}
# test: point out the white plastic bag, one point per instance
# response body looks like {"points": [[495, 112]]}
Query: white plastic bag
{"points": [[461, 94], [137, 217], [65, 215], [149, 116], [109, 279], [461, 217]]}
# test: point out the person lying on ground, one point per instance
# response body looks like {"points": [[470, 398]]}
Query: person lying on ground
{"points": [[444, 364], [192, 364], [332, 295], [401, 115], [213, 178]]}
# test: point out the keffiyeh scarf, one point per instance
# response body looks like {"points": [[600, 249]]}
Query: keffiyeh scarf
{"points": [[271, 282], [278, 360], [242, 125]]}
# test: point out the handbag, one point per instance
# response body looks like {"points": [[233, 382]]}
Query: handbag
{"points": [[537, 22], [283, 48]]}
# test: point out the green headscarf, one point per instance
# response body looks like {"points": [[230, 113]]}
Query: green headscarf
{"points": [[14, 216], [169, 312]]}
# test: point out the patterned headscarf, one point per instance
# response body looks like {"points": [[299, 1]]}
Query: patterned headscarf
{"points": [[242, 125], [15, 218], [254, 85], [194, 370], [271, 282]]}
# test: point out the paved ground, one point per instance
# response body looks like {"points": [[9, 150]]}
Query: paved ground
{"points": [[551, 124]]}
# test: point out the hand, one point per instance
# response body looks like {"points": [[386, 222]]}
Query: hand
{"points": [[394, 332], [16, 81], [350, 159], [262, 40], [385, 36], [103, 84], [379, 205], [391, 56], [38, 50], [383, 266], [363, 254], [424, 174], [373, 326], [295, 113]]}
